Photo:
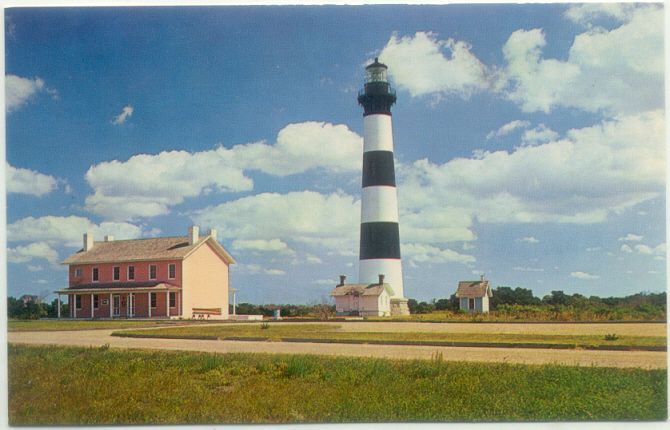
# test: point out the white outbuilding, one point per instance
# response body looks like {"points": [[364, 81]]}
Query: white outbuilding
{"points": [[474, 295], [362, 299]]}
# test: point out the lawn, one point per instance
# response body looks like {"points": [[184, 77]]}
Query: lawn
{"points": [[54, 325], [69, 386], [278, 331]]}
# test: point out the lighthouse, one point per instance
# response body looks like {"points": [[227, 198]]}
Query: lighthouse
{"points": [[379, 252]]}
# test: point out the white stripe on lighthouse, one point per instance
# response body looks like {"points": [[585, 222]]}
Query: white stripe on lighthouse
{"points": [[369, 271], [380, 203], [377, 133]]}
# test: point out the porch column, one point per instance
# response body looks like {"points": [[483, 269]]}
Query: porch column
{"points": [[234, 303], [92, 310], [58, 302], [178, 298], [110, 306], [75, 305], [132, 300], [128, 306], [149, 303], [167, 304]]}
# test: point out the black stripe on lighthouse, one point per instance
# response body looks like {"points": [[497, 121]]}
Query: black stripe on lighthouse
{"points": [[380, 240], [378, 169]]}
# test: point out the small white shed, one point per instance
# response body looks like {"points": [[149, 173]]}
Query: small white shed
{"points": [[362, 299], [474, 295]]}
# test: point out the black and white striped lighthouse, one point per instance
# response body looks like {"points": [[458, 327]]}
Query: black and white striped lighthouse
{"points": [[380, 239]]}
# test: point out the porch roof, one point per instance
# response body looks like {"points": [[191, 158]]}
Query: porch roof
{"points": [[119, 287]]}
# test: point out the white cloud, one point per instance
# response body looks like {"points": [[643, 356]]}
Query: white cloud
{"points": [[630, 237], [25, 181], [581, 178], [275, 272], [273, 245], [527, 269], [18, 91], [421, 253], [508, 128], [648, 250], [586, 13], [33, 268], [323, 221], [528, 239], [612, 71], [313, 259], [66, 231], [584, 275], [126, 112], [325, 282], [538, 135], [26, 253], [422, 64], [149, 185], [593, 249], [626, 248]]}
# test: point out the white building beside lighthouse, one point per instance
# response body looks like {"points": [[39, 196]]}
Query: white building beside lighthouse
{"points": [[379, 253]]}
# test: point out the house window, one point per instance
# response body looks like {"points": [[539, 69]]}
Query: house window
{"points": [[77, 272], [173, 300], [95, 301], [172, 271], [153, 299], [116, 273], [94, 274], [131, 273], [77, 300], [152, 271], [471, 304]]}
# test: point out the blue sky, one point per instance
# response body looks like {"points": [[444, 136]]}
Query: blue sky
{"points": [[529, 141]]}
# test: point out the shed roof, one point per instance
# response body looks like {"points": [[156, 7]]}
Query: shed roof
{"points": [[157, 248], [361, 290], [473, 289]]}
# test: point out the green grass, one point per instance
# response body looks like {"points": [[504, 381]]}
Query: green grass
{"points": [[324, 331], [52, 325], [69, 386]]}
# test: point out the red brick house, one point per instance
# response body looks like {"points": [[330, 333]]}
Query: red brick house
{"points": [[166, 277]]}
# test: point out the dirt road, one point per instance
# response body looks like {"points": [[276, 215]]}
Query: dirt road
{"points": [[643, 359]]}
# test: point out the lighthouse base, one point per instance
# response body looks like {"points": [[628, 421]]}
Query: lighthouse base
{"points": [[399, 307]]}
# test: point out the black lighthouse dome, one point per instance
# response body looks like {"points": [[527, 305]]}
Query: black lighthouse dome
{"points": [[377, 96]]}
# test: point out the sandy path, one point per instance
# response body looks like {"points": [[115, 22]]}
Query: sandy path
{"points": [[644, 359], [621, 329]]}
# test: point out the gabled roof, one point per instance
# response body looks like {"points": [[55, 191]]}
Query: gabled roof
{"points": [[361, 290], [158, 248], [473, 289]]}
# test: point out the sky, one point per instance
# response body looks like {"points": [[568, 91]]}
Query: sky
{"points": [[529, 141]]}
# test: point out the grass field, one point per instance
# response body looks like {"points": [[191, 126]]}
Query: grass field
{"points": [[67, 386], [331, 332]]}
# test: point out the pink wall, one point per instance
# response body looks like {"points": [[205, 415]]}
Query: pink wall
{"points": [[105, 272]]}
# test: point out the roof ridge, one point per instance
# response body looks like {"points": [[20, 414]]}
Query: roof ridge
{"points": [[139, 238]]}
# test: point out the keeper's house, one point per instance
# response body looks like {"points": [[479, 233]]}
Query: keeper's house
{"points": [[362, 299], [166, 277]]}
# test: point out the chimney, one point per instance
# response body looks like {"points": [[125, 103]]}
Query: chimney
{"points": [[343, 278], [88, 241], [381, 279], [212, 232], [481, 278], [109, 238], [193, 234]]}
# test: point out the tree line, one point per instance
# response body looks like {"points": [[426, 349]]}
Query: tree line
{"points": [[508, 300], [32, 310]]}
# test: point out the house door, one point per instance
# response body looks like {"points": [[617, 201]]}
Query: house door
{"points": [[117, 305], [355, 305], [472, 304], [131, 305]]}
